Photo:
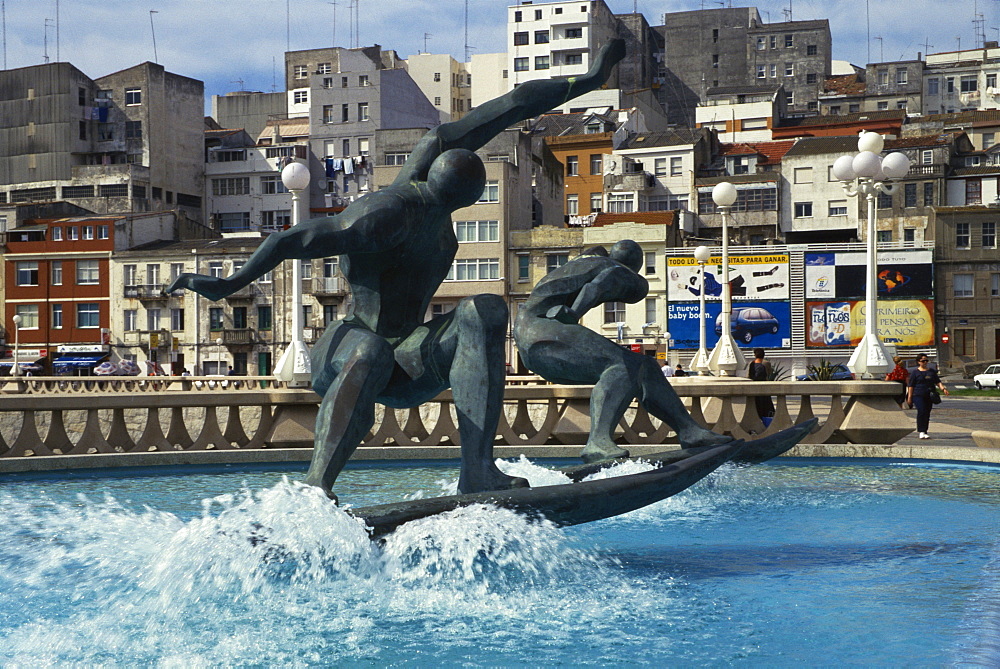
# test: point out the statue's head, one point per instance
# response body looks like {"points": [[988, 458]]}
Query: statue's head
{"points": [[457, 178], [628, 253]]}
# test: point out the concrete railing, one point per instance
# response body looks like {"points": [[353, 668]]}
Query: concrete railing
{"points": [[60, 415]]}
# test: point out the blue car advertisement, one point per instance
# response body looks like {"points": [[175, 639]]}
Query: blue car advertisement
{"points": [[763, 324]]}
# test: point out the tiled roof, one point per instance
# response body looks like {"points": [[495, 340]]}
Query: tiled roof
{"points": [[771, 152], [664, 138], [812, 146], [860, 117], [936, 139], [763, 177], [552, 125], [976, 171], [975, 117], [644, 217], [845, 84]]}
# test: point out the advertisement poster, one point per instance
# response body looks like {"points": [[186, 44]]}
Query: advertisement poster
{"points": [[764, 324], [759, 277], [900, 323], [843, 276]]}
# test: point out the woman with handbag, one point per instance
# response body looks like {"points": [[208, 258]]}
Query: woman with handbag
{"points": [[922, 393]]}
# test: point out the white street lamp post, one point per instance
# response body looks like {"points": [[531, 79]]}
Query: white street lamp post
{"points": [[218, 368], [294, 365], [726, 357], [16, 370], [869, 173], [700, 362], [666, 354]]}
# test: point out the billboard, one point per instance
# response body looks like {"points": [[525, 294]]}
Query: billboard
{"points": [[843, 276], [842, 323], [764, 324], [757, 277]]}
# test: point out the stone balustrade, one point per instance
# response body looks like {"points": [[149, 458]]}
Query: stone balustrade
{"points": [[75, 415]]}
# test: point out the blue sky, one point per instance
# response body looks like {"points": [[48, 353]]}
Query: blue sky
{"points": [[224, 43]]}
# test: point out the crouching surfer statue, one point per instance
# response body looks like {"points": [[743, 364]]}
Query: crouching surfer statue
{"points": [[397, 245], [554, 345]]}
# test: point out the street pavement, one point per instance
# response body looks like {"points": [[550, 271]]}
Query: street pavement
{"points": [[954, 420]]}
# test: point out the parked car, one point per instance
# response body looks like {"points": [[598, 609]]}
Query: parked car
{"points": [[989, 378], [840, 373], [748, 322]]}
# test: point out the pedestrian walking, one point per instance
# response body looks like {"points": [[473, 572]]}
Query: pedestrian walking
{"points": [[667, 370], [921, 393], [761, 371], [900, 375]]}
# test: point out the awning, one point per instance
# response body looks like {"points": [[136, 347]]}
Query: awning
{"points": [[24, 365], [79, 360]]}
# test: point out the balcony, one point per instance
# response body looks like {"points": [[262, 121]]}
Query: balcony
{"points": [[926, 171], [237, 336], [247, 292], [329, 285], [147, 292], [633, 181]]}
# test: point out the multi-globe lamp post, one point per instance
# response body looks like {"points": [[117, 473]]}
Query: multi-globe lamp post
{"points": [[726, 357], [864, 175], [294, 366], [700, 361]]}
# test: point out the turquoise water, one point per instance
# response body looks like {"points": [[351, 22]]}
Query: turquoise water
{"points": [[800, 563]]}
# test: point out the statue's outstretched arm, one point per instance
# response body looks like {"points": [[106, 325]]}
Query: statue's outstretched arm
{"points": [[491, 118], [613, 284], [372, 231]]}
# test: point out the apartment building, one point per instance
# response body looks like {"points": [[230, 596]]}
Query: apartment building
{"points": [[129, 141], [965, 80], [742, 113], [794, 55], [444, 81]]}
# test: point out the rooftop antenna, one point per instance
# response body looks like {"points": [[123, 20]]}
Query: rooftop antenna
{"points": [[467, 47], [48, 22], [881, 48], [426, 37], [334, 42], [868, 23], [57, 31], [357, 23], [274, 74], [153, 31], [238, 81], [3, 12], [288, 25], [927, 46]]}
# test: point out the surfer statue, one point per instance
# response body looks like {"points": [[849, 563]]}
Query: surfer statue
{"points": [[555, 346], [397, 245]]}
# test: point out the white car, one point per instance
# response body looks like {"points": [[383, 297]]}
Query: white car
{"points": [[988, 379]]}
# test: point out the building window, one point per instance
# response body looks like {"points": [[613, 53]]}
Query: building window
{"points": [[176, 319], [572, 204], [909, 235], [596, 162], [275, 219], [477, 231], [152, 319], [789, 41], [521, 64], [676, 166], [989, 238], [133, 96], [88, 315], [240, 317], [491, 193], [811, 78], [474, 269], [215, 269], [57, 274], [88, 232], [437, 76], [231, 186], [964, 342], [883, 105], [215, 318], [133, 129], [883, 236], [910, 195], [328, 115], [572, 166], [57, 316], [57, 231], [803, 209], [761, 43], [660, 167], [773, 70], [272, 185], [988, 140], [29, 316], [973, 191], [300, 97], [596, 202], [853, 108], [963, 236], [574, 33], [541, 62], [650, 262], [102, 231], [883, 77], [789, 69], [901, 76], [153, 275], [620, 203], [811, 50], [789, 98], [324, 68], [761, 71], [264, 317], [928, 193], [87, 272], [300, 71], [538, 15], [968, 83], [803, 175], [27, 273], [541, 37], [437, 100], [345, 113], [129, 317], [396, 158], [362, 111], [838, 208], [523, 267], [363, 80], [554, 261], [884, 201], [651, 310], [994, 285], [573, 59], [963, 285], [614, 312]]}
